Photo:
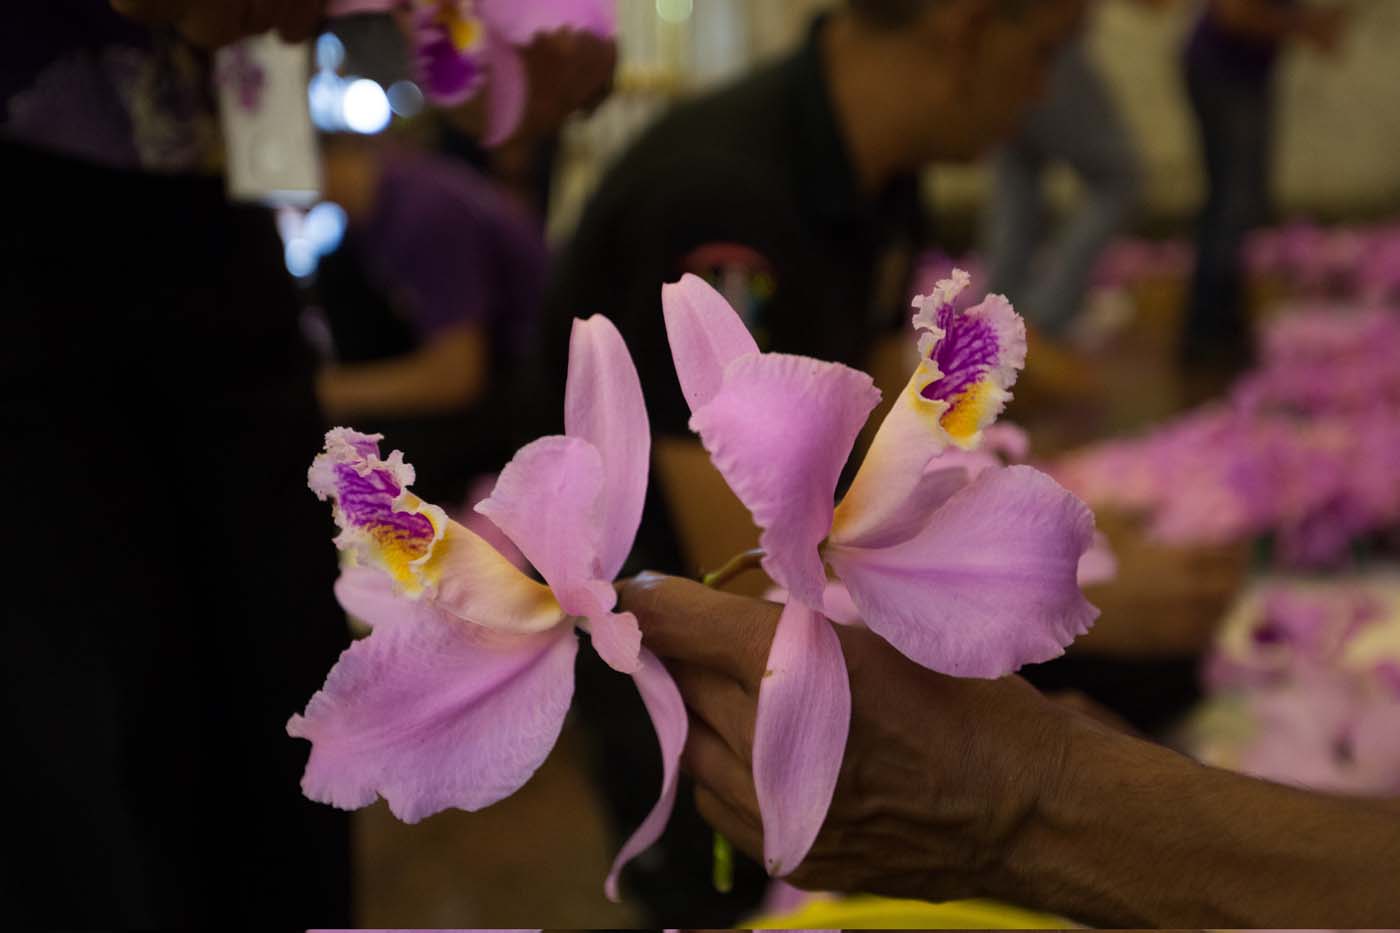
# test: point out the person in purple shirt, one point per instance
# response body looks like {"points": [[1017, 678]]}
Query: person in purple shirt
{"points": [[1230, 62], [432, 301]]}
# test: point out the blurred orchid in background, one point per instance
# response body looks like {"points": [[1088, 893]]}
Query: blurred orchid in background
{"points": [[467, 47], [968, 576], [460, 691]]}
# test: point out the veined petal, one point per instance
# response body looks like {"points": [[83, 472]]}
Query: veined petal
{"points": [[979, 354], [668, 717], [518, 22], [910, 437], [368, 595], [548, 501], [780, 431], [804, 716], [989, 583], [432, 713], [382, 524], [603, 405], [705, 334], [507, 90]]}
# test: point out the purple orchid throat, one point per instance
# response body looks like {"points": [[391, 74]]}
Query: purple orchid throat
{"points": [[367, 501], [969, 348], [447, 71]]}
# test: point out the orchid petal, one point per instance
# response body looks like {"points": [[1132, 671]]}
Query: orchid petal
{"points": [[507, 91], [548, 501], [519, 21], [382, 524], [979, 354], [433, 713], [603, 405], [705, 334], [668, 717], [780, 431], [368, 595], [988, 585], [478, 584], [909, 439], [616, 636], [804, 715]]}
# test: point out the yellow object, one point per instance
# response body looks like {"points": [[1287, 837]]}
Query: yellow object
{"points": [[878, 913]]}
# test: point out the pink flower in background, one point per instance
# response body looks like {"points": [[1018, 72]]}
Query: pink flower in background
{"points": [[971, 578], [466, 46], [460, 691]]}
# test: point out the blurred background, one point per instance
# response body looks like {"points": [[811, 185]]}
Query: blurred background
{"points": [[1221, 382]]}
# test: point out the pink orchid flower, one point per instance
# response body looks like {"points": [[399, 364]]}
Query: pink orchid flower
{"points": [[972, 579], [460, 691], [465, 46]]}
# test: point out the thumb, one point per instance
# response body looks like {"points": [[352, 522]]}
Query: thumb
{"points": [[684, 621]]}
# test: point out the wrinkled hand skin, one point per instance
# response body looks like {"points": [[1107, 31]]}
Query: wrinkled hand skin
{"points": [[939, 773], [215, 23]]}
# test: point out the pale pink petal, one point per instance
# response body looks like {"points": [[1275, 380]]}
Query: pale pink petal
{"points": [[705, 334], [369, 595], [615, 635], [804, 715], [908, 441], [603, 405], [838, 606], [988, 585], [432, 713], [477, 583], [519, 21], [780, 431], [507, 91], [549, 501], [668, 717]]}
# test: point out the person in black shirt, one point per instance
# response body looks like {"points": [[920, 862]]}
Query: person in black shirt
{"points": [[794, 191]]}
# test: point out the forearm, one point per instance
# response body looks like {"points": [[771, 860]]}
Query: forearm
{"points": [[1132, 834], [394, 387]]}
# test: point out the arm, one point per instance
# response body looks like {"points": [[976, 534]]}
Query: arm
{"points": [[213, 23], [1262, 20], [965, 788], [449, 372]]}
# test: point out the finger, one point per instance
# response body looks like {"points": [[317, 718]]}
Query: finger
{"points": [[684, 621], [721, 703], [715, 767], [729, 823]]}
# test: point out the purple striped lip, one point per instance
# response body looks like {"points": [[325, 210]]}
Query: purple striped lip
{"points": [[968, 350]]}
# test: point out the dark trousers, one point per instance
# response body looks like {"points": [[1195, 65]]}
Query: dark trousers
{"points": [[1235, 118], [167, 574]]}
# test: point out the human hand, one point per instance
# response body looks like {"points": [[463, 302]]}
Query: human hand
{"points": [[938, 774], [215, 23], [1322, 28]]}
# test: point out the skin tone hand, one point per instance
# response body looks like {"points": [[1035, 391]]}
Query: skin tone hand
{"points": [[909, 819], [215, 23], [960, 788]]}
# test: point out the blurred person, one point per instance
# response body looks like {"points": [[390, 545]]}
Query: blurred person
{"points": [[795, 192], [1078, 124], [1230, 64], [958, 788], [169, 600], [432, 300]]}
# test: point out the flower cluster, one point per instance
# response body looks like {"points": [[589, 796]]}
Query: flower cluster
{"points": [[1305, 684], [1302, 452], [465, 47], [964, 564]]}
